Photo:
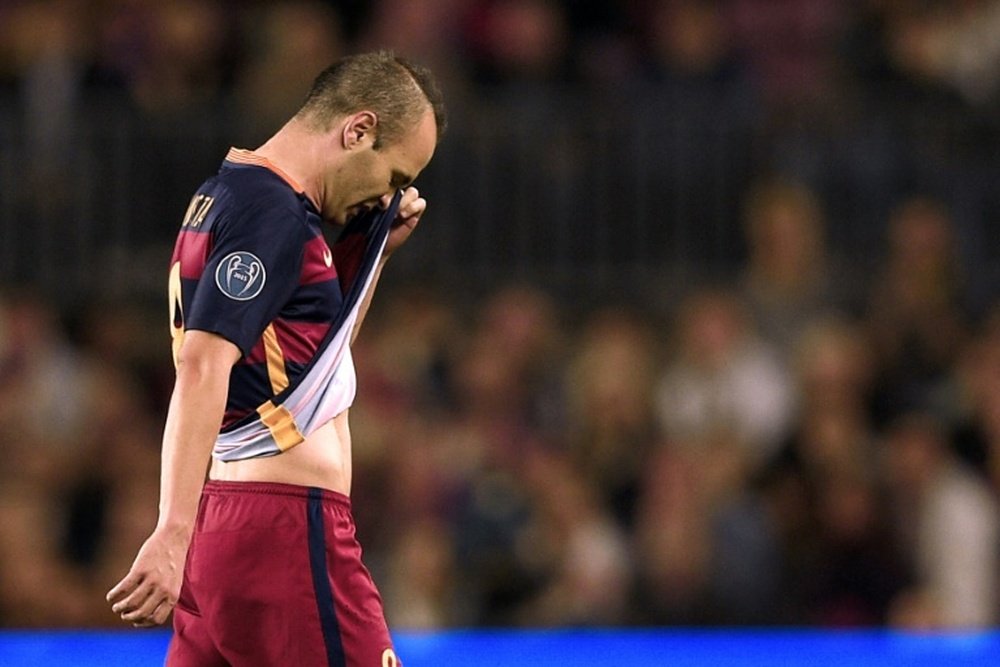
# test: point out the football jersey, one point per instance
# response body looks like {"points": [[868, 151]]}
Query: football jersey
{"points": [[251, 264]]}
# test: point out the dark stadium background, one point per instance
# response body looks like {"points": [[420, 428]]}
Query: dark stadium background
{"points": [[701, 330]]}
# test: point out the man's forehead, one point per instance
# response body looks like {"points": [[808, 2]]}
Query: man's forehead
{"points": [[428, 134], [417, 147]]}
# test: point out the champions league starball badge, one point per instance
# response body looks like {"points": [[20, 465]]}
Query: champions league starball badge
{"points": [[240, 276]]}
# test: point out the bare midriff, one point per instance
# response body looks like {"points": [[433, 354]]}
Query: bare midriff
{"points": [[322, 460]]}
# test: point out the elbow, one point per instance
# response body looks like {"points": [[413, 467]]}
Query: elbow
{"points": [[205, 357], [197, 371]]}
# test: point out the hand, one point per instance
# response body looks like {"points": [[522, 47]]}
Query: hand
{"points": [[148, 593], [411, 207]]}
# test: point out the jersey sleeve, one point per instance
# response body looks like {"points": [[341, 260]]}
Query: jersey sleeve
{"points": [[250, 273]]}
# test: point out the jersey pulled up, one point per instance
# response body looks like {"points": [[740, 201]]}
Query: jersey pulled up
{"points": [[251, 264]]}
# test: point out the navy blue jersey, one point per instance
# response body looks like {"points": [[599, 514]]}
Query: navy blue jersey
{"points": [[251, 265]]}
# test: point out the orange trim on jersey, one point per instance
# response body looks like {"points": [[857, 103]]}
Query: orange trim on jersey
{"points": [[282, 425], [176, 307], [244, 156], [275, 360]]}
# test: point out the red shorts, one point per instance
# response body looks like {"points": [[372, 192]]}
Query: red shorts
{"points": [[274, 577]]}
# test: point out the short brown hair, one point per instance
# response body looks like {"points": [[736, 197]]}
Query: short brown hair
{"points": [[397, 90]]}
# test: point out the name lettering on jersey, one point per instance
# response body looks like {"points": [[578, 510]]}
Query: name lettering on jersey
{"points": [[197, 210], [240, 276]]}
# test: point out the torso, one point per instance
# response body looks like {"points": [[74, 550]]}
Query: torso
{"points": [[323, 460], [290, 307]]}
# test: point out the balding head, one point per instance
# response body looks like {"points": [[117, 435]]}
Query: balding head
{"points": [[397, 91]]}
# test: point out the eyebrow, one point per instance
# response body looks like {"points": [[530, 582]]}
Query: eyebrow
{"points": [[400, 180]]}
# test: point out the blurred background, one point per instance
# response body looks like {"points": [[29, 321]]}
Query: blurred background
{"points": [[702, 326]]}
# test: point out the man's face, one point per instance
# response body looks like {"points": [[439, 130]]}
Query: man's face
{"points": [[370, 176]]}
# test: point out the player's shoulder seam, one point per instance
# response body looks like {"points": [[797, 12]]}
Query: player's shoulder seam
{"points": [[257, 195]]}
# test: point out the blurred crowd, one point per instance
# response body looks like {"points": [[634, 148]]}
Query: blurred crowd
{"points": [[800, 55], [128, 104], [799, 443], [787, 448], [168, 53]]}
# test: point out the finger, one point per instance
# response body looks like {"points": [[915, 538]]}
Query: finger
{"points": [[153, 620], [409, 194], [134, 601], [158, 617], [123, 588], [162, 612], [413, 209], [146, 609]]}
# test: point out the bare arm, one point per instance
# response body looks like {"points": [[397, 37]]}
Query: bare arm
{"points": [[411, 208], [149, 591]]}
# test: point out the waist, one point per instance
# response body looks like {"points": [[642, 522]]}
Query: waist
{"points": [[220, 488], [322, 460], [255, 509]]}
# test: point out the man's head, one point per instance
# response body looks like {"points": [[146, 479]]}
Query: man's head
{"points": [[396, 90], [385, 116]]}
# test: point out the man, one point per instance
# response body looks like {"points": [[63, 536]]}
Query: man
{"points": [[263, 312]]}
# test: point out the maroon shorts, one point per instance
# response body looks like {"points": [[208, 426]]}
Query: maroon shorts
{"points": [[274, 577]]}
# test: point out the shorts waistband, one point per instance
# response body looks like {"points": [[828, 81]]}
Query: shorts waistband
{"points": [[215, 487]]}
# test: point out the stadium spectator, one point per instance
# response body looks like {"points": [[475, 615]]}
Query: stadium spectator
{"points": [[939, 504], [285, 42], [917, 310], [977, 402], [577, 550], [612, 425], [723, 379], [787, 282]]}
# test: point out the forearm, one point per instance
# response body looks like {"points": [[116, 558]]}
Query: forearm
{"points": [[366, 302], [150, 589], [411, 207]]}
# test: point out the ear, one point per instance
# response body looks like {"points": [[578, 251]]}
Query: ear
{"points": [[359, 130]]}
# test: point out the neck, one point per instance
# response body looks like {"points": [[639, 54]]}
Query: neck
{"points": [[300, 153]]}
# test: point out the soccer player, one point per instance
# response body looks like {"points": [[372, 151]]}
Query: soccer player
{"points": [[261, 559]]}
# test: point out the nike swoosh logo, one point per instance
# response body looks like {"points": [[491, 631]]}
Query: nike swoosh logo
{"points": [[327, 257]]}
